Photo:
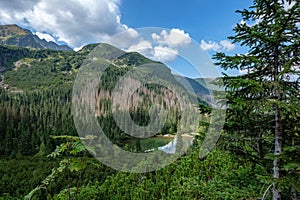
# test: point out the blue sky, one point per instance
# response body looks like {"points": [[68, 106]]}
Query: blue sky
{"points": [[203, 20], [79, 22], [209, 21]]}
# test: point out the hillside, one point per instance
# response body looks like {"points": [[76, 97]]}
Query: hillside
{"points": [[104, 124], [32, 58], [14, 35], [25, 68], [42, 71], [36, 99], [35, 106]]}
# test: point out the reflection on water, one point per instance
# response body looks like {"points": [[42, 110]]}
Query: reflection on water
{"points": [[159, 143], [171, 146]]}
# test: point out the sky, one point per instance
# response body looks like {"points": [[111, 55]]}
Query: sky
{"points": [[179, 23]]}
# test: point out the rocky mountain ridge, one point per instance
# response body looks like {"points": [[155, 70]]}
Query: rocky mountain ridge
{"points": [[13, 35]]}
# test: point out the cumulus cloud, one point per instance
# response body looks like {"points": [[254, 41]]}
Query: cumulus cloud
{"points": [[287, 4], [45, 36], [19, 5], [165, 54], [243, 71], [251, 23], [223, 45], [124, 39], [78, 48], [210, 45], [161, 46], [165, 44], [158, 53], [80, 22], [75, 22], [175, 38], [144, 47], [227, 46]]}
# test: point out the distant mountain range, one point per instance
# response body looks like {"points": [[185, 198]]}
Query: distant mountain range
{"points": [[20, 47], [14, 35]]}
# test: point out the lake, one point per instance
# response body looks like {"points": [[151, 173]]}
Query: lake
{"points": [[160, 143]]}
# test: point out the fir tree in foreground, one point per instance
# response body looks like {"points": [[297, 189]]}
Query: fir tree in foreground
{"points": [[264, 103]]}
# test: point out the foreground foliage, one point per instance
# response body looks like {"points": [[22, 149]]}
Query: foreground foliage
{"points": [[220, 176], [264, 103]]}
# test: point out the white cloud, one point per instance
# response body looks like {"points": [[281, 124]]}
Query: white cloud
{"points": [[165, 54], [166, 44], [175, 38], [75, 22], [227, 46], [223, 45], [18, 4], [45, 36], [158, 53], [286, 4], [124, 39], [80, 22], [242, 22], [251, 23], [163, 46], [210, 45], [144, 47], [78, 48], [243, 71]]}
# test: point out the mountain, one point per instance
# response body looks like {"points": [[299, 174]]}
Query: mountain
{"points": [[193, 85], [44, 79], [14, 35], [26, 68]]}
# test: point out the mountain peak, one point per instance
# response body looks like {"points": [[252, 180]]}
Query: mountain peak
{"points": [[14, 35], [12, 30]]}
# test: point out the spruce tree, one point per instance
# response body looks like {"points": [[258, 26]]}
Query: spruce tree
{"points": [[264, 103]]}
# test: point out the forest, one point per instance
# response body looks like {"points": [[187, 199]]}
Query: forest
{"points": [[256, 157]]}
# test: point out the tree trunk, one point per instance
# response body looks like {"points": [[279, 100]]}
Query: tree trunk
{"points": [[277, 152], [69, 187], [293, 190], [293, 194]]}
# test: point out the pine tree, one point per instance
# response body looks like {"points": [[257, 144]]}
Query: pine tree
{"points": [[264, 102]]}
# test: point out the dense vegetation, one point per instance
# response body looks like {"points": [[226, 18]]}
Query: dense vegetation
{"points": [[257, 156], [265, 102]]}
